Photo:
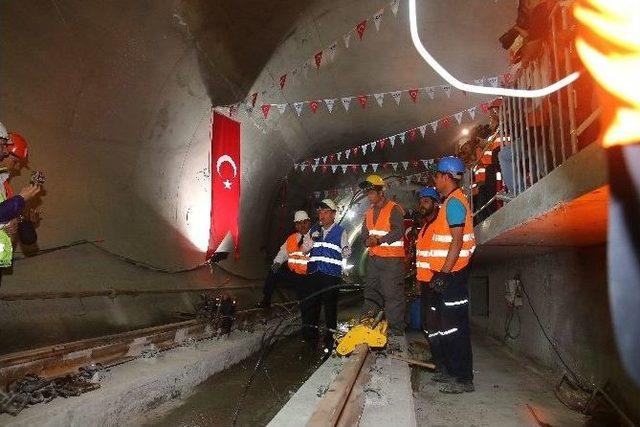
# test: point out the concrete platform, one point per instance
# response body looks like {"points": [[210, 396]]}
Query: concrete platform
{"points": [[136, 387], [388, 395], [505, 385]]}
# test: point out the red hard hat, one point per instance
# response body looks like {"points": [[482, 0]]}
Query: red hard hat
{"points": [[18, 146]]}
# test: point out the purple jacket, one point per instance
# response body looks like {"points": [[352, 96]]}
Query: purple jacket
{"points": [[11, 208]]}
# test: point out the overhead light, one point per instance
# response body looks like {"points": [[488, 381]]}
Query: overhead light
{"points": [[496, 91], [465, 132]]}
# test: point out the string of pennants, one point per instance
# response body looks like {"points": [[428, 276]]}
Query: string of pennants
{"points": [[391, 140], [347, 191], [365, 167], [321, 57], [363, 99]]}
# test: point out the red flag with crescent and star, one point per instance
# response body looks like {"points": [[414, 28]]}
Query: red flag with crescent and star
{"points": [[225, 182]]}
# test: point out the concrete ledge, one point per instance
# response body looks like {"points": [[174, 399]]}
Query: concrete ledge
{"points": [[388, 394], [137, 387], [580, 174]]}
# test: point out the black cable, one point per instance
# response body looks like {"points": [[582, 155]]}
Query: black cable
{"points": [[511, 311]]}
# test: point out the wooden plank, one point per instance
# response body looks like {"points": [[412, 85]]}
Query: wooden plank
{"points": [[330, 407], [352, 410], [413, 361]]}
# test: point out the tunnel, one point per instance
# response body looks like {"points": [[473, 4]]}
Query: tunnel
{"points": [[120, 103]]}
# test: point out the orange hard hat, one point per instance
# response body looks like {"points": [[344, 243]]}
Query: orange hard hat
{"points": [[18, 146]]}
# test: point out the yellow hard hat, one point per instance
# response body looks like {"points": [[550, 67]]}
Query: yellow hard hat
{"points": [[372, 181]]}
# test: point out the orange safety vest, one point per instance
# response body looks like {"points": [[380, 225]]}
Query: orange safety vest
{"points": [[423, 244], [442, 238], [297, 259], [382, 227]]}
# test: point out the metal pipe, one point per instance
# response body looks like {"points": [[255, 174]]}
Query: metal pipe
{"points": [[552, 130], [543, 130], [556, 67], [534, 108], [523, 168], [514, 145], [588, 121], [525, 108]]}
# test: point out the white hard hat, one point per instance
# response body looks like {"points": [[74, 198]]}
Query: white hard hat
{"points": [[300, 216], [3, 132], [328, 204]]}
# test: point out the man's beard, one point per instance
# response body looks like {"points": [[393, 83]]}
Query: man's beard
{"points": [[426, 212]]}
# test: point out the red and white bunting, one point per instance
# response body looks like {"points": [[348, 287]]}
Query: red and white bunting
{"points": [[434, 125], [265, 110], [413, 93], [446, 122], [334, 168], [485, 107], [344, 168], [364, 148], [324, 159], [394, 6], [392, 140], [377, 18], [394, 165], [493, 81], [361, 28], [347, 38], [314, 168], [372, 144], [362, 99], [283, 81], [329, 103], [402, 137], [364, 167], [447, 90], [479, 82], [313, 105], [405, 165], [458, 117], [281, 108], [396, 96], [472, 112], [379, 98], [346, 101], [254, 98], [298, 107], [374, 166], [339, 155], [347, 153], [423, 130], [318, 59]]}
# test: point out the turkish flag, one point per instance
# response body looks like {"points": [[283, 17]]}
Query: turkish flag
{"points": [[225, 182]]}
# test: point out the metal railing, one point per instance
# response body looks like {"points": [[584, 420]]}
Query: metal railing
{"points": [[538, 135]]}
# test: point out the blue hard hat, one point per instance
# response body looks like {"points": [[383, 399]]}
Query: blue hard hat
{"points": [[429, 192], [452, 165]]}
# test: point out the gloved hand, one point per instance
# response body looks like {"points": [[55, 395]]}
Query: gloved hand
{"points": [[440, 281], [275, 267]]}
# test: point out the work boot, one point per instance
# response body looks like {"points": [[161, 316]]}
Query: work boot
{"points": [[442, 377], [457, 387]]}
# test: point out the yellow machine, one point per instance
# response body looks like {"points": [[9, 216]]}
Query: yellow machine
{"points": [[370, 331]]}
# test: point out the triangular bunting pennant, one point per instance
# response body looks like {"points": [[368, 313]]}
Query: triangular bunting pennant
{"points": [[434, 126], [402, 136], [431, 92], [412, 134], [314, 168], [423, 130], [362, 99], [374, 166], [344, 168], [314, 106], [458, 117], [364, 148], [329, 103], [334, 168], [346, 101], [324, 168], [383, 142], [298, 107], [355, 150], [254, 97], [283, 81], [493, 81], [379, 98], [413, 93], [318, 58], [372, 145], [394, 165], [347, 152], [303, 167], [360, 28], [332, 50], [485, 107], [447, 90], [364, 167], [317, 160], [446, 122], [324, 159], [426, 164], [296, 166], [377, 18], [479, 82], [332, 157], [265, 110], [405, 165], [396, 96], [394, 6], [281, 108], [472, 112], [354, 168], [347, 38], [339, 155], [392, 140]]}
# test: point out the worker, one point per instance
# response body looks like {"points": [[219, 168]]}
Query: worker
{"points": [[19, 223], [431, 301], [330, 248], [290, 264], [448, 257], [382, 234], [607, 43]]}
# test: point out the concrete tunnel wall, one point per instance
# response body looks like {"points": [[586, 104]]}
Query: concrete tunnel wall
{"points": [[115, 100]]}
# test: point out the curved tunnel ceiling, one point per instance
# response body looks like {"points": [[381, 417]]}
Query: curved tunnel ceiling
{"points": [[115, 99]]}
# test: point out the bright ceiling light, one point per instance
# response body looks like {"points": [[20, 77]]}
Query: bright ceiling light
{"points": [[464, 132], [496, 91]]}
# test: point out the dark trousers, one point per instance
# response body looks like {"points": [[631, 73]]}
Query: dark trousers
{"points": [[455, 338], [623, 257], [431, 306], [312, 303], [282, 276]]}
